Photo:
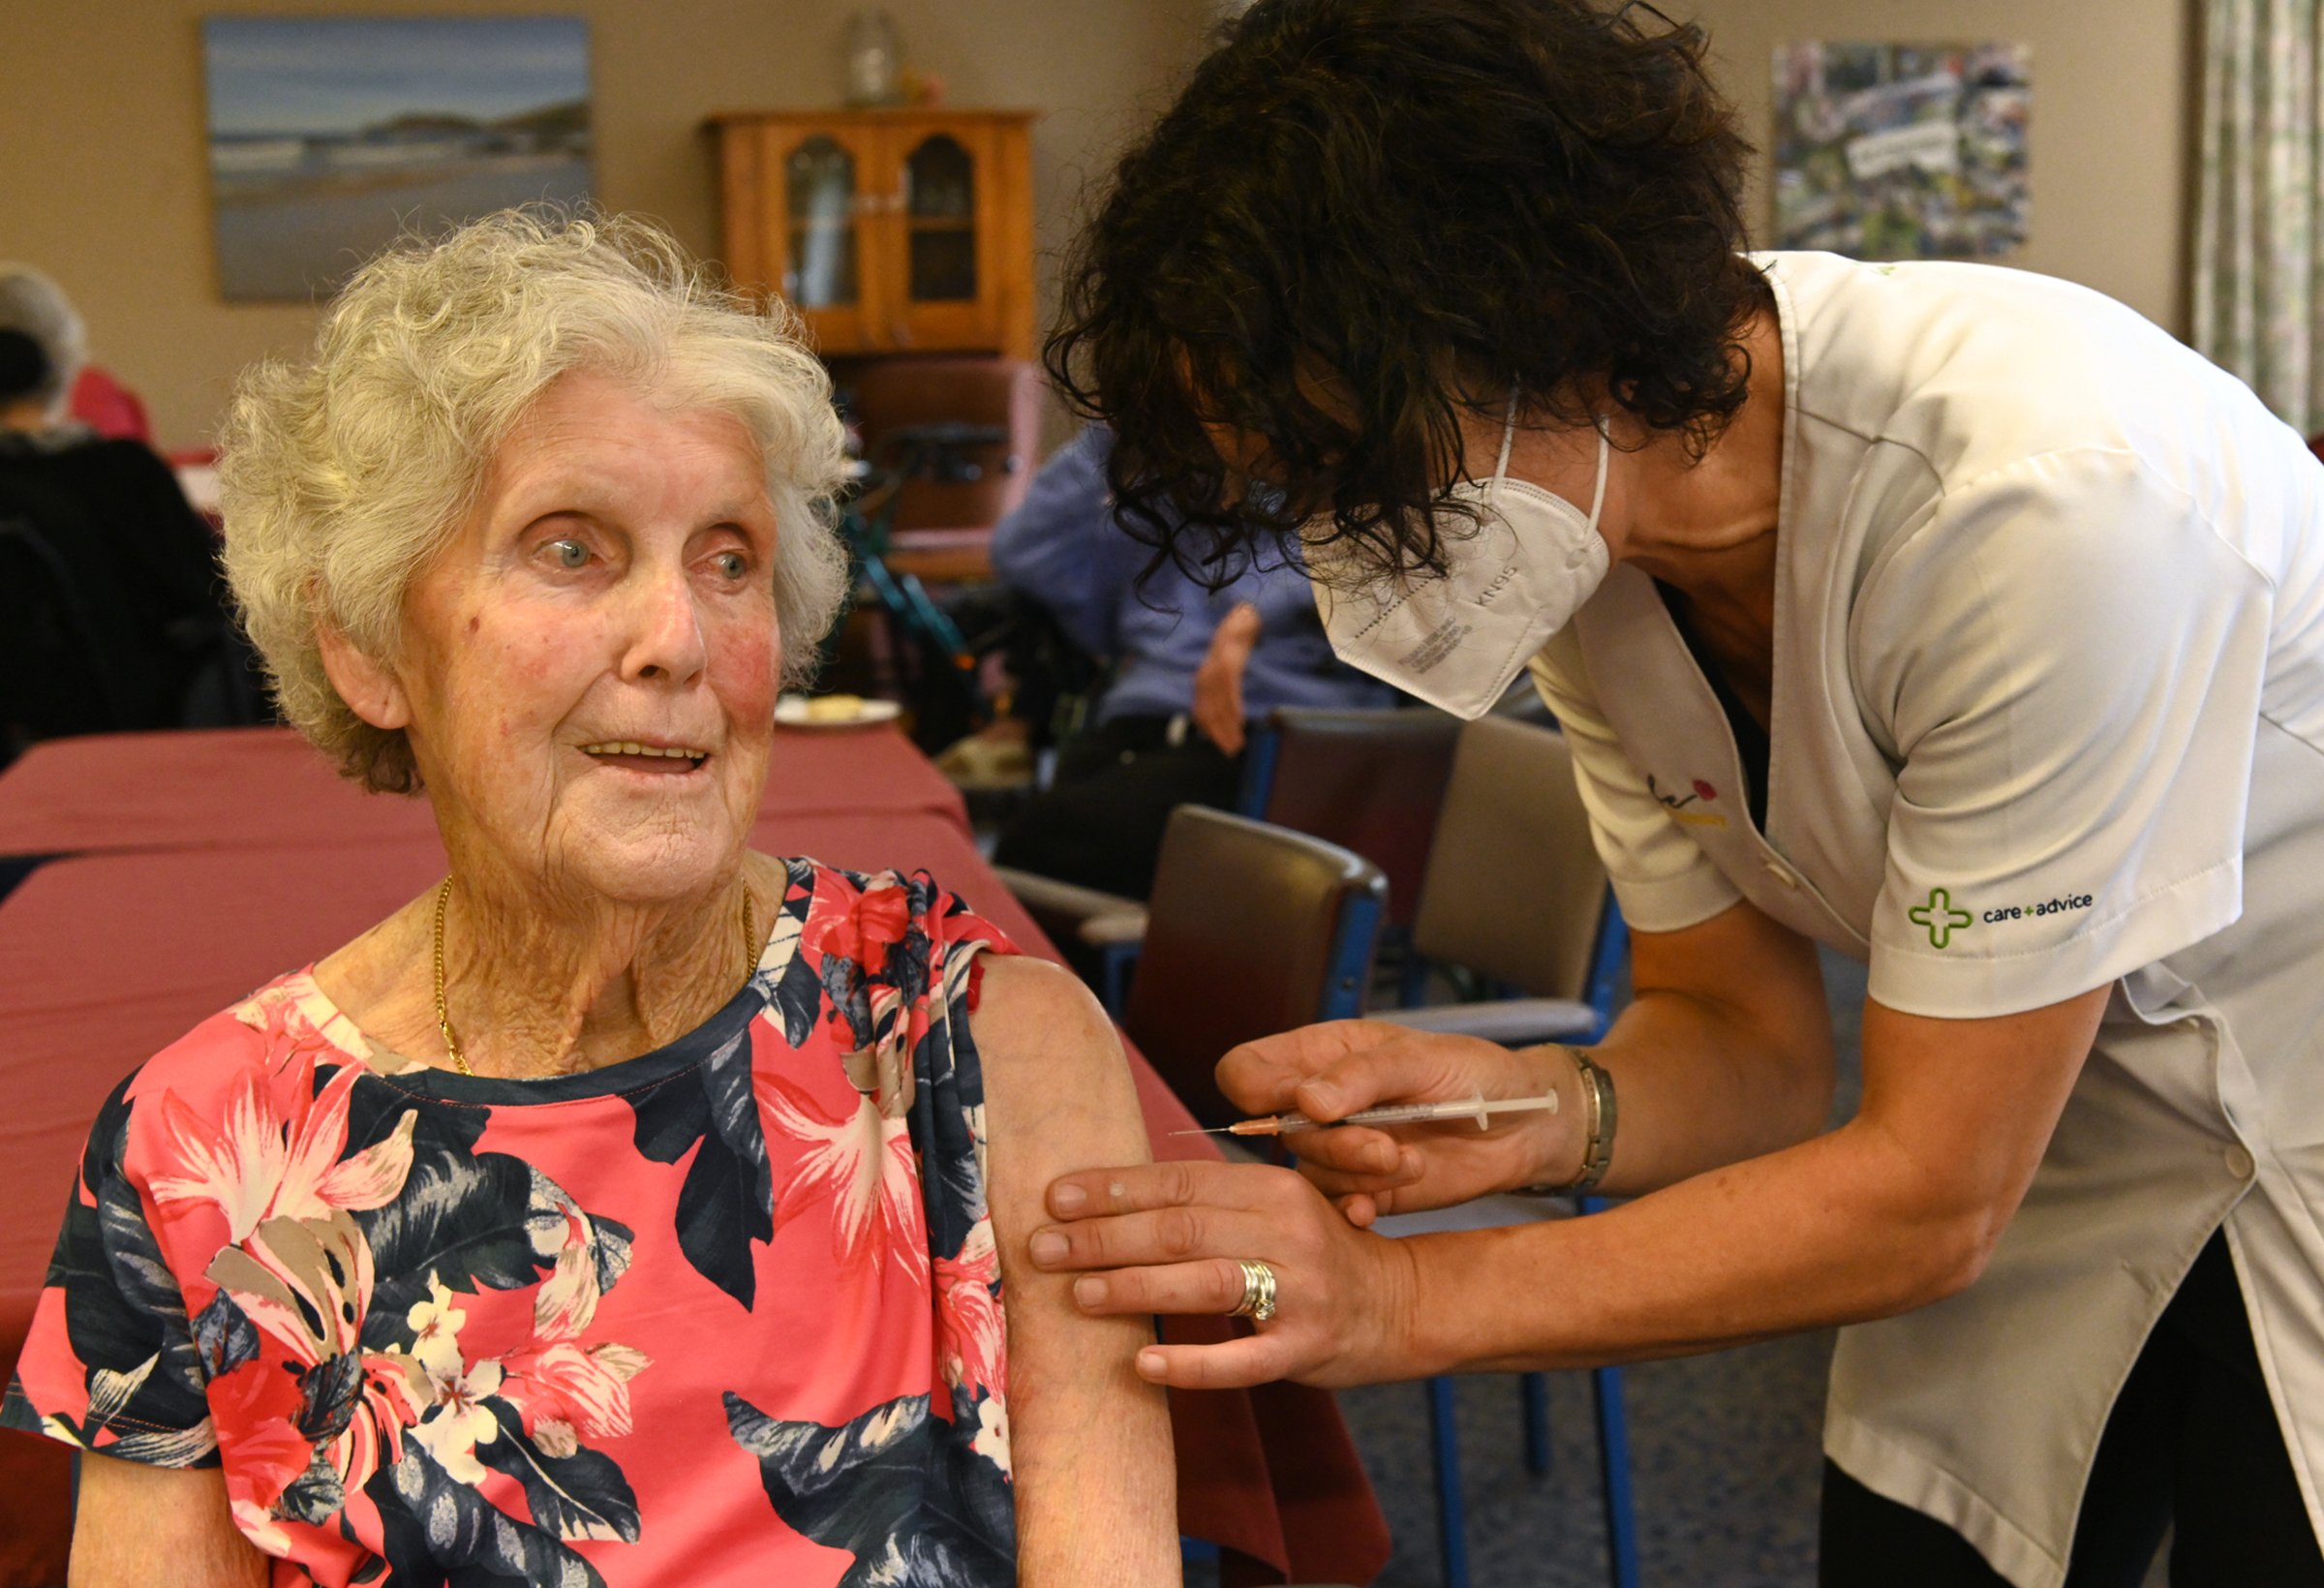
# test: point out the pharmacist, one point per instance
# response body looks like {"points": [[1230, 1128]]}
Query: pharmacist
{"points": [[1952, 617]]}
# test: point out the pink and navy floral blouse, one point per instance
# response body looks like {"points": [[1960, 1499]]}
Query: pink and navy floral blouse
{"points": [[726, 1313]]}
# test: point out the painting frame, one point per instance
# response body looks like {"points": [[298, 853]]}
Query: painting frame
{"points": [[330, 136]]}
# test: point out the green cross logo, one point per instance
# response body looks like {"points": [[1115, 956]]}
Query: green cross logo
{"points": [[1940, 917]]}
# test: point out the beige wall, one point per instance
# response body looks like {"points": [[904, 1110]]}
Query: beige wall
{"points": [[2108, 146], [103, 184]]}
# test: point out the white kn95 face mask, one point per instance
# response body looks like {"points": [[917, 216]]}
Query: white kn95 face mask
{"points": [[1459, 639]]}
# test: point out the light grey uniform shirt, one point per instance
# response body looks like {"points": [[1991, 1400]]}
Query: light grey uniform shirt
{"points": [[2048, 715]]}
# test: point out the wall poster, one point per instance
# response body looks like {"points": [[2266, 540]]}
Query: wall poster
{"points": [[1887, 151]]}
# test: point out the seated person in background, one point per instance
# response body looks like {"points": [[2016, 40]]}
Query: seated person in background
{"points": [[1191, 667], [633, 1207], [141, 616], [30, 302]]}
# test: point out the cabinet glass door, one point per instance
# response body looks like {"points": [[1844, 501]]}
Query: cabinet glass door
{"points": [[939, 212], [821, 265]]}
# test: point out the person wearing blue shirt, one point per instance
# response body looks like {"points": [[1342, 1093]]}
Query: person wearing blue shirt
{"points": [[1191, 667]]}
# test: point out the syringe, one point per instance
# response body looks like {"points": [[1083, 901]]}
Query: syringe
{"points": [[1389, 1113]]}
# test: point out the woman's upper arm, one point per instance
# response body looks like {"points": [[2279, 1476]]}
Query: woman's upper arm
{"points": [[1089, 1441], [137, 1525], [1754, 968], [1965, 1109]]}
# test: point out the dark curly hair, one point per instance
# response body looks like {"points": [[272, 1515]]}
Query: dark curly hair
{"points": [[1362, 217]]}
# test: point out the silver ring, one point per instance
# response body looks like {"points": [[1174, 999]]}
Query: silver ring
{"points": [[1258, 1302]]}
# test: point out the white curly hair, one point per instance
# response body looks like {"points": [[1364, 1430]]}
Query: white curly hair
{"points": [[33, 304], [339, 474]]}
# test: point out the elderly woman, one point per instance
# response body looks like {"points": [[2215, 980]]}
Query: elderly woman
{"points": [[630, 1207]]}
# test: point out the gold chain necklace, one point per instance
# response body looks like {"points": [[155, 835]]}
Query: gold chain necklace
{"points": [[443, 1016]]}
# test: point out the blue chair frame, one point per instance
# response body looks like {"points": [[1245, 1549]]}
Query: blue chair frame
{"points": [[1620, 1511], [1259, 760]]}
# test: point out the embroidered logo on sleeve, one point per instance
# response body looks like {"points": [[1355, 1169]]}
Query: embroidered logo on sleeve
{"points": [[1676, 804], [1940, 917], [2048, 906]]}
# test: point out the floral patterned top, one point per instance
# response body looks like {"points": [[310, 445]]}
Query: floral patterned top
{"points": [[727, 1312]]}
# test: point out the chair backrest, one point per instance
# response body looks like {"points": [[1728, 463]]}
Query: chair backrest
{"points": [[1368, 780], [1515, 886], [893, 393], [1252, 930]]}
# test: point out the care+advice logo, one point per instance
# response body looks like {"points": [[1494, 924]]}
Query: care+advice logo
{"points": [[1941, 918]]}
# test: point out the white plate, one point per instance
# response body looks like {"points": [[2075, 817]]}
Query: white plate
{"points": [[791, 711]]}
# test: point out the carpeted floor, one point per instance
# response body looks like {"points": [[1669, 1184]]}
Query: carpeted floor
{"points": [[1724, 1467]]}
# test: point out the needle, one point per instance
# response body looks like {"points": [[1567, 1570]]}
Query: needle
{"points": [[1393, 1114]]}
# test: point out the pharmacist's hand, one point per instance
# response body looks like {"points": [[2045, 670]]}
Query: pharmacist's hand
{"points": [[1337, 1069], [1171, 1238]]}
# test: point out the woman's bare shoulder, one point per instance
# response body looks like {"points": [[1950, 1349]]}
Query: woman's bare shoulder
{"points": [[1032, 1002], [1056, 1078]]}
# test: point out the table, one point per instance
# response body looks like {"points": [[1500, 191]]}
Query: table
{"points": [[267, 788], [106, 957]]}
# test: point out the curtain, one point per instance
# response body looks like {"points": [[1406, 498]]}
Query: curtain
{"points": [[2259, 277]]}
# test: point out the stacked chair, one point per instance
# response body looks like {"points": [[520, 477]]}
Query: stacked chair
{"points": [[1370, 781], [1252, 930]]}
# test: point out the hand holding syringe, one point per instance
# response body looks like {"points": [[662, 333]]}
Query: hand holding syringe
{"points": [[1475, 1108]]}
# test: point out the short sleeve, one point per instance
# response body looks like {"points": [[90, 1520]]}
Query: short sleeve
{"points": [[950, 1136], [111, 1364], [949, 1082], [1661, 878], [2067, 661]]}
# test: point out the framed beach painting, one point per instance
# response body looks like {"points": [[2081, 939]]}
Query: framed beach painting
{"points": [[331, 136]]}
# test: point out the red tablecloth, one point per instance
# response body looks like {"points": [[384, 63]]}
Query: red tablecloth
{"points": [[227, 788], [104, 959]]}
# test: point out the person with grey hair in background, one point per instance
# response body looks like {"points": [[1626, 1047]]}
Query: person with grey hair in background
{"points": [[114, 617], [629, 1207], [32, 306]]}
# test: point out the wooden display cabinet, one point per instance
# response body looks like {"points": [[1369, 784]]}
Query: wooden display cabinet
{"points": [[888, 230]]}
